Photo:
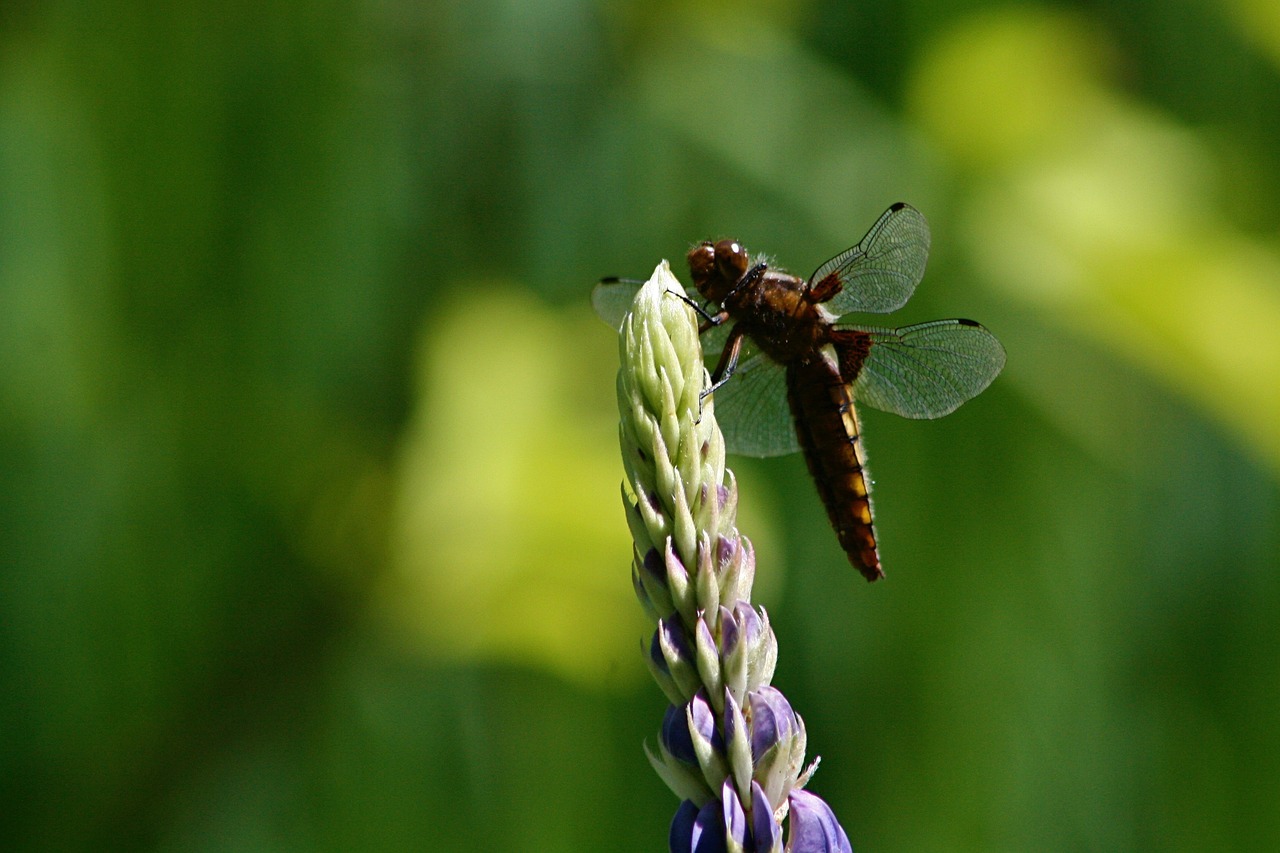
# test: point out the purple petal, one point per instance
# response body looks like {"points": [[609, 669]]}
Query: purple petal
{"points": [[737, 745], [654, 567], [735, 657], [735, 817], [708, 657], [767, 832], [813, 826], [670, 634], [730, 636], [655, 652], [725, 549], [708, 830], [675, 729], [680, 836], [704, 720], [749, 622], [771, 720], [675, 736]]}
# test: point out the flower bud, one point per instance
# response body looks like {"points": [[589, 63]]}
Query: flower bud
{"points": [[813, 827], [777, 743], [737, 741], [734, 654], [680, 835], [677, 577], [676, 738], [695, 830], [708, 659], [767, 832], [661, 672], [677, 654], [762, 645], [649, 577], [708, 583], [736, 563], [737, 836], [708, 745]]}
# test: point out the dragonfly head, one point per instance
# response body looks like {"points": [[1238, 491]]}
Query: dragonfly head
{"points": [[717, 267]]}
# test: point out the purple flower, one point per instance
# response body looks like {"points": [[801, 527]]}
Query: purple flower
{"points": [[767, 833], [695, 830], [814, 828], [731, 746], [690, 729], [777, 743], [672, 660], [736, 833]]}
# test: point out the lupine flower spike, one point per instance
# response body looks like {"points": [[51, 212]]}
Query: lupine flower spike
{"points": [[730, 747]]}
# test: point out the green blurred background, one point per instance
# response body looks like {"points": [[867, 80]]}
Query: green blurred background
{"points": [[310, 522]]}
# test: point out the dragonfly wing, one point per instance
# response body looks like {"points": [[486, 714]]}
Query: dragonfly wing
{"points": [[880, 273], [927, 370], [751, 407], [753, 411], [713, 342], [612, 299]]}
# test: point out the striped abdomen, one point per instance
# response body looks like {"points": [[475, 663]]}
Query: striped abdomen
{"points": [[827, 426]]}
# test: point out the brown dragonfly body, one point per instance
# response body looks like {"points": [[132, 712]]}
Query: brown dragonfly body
{"points": [[921, 371], [784, 317], [827, 428]]}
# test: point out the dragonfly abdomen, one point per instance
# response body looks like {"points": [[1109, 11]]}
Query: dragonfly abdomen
{"points": [[827, 429]]}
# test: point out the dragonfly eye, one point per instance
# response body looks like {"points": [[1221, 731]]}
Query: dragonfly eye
{"points": [[731, 260], [702, 262]]}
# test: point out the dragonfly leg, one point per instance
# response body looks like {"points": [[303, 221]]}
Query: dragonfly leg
{"points": [[709, 320], [712, 320], [728, 361]]}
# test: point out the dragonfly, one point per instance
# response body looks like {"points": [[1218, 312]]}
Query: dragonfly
{"points": [[791, 371]]}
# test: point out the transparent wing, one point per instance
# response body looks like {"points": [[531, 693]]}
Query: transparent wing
{"points": [[751, 407], [612, 299], [713, 341], [753, 411], [881, 272], [927, 370]]}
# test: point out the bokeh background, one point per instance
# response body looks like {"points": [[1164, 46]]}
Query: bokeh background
{"points": [[310, 530]]}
